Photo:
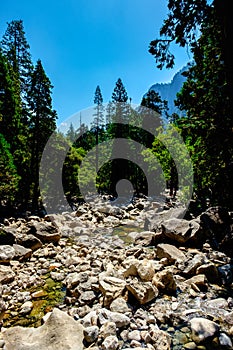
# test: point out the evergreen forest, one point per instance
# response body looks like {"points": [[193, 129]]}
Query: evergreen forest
{"points": [[27, 119]]}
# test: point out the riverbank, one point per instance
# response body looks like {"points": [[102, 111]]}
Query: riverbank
{"points": [[126, 278]]}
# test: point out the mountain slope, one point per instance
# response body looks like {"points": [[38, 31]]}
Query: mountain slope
{"points": [[168, 91]]}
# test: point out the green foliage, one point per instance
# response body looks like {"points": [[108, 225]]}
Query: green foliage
{"points": [[207, 127], [17, 50], [153, 101], [119, 93], [10, 124], [184, 18], [42, 123], [169, 152], [207, 96], [70, 172], [8, 176], [71, 134]]}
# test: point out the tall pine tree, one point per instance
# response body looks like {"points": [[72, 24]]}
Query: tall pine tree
{"points": [[42, 123], [9, 104], [119, 129], [17, 50], [97, 125], [11, 126]]}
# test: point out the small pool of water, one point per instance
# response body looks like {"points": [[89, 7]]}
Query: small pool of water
{"points": [[123, 231], [52, 294]]}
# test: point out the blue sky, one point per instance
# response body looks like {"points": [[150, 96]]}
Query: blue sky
{"points": [[85, 43]]}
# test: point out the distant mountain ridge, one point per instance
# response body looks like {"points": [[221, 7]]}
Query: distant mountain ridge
{"points": [[168, 91]]}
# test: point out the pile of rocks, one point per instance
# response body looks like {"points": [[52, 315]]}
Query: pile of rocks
{"points": [[169, 289]]}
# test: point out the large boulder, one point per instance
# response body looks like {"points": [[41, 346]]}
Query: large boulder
{"points": [[59, 332], [45, 231], [7, 253], [145, 238], [111, 287], [144, 269], [159, 339], [216, 222], [170, 252], [119, 319], [181, 231], [144, 292], [153, 222], [203, 329], [30, 241], [165, 282], [21, 253]]}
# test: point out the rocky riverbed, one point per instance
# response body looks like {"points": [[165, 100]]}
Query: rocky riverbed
{"points": [[108, 278]]}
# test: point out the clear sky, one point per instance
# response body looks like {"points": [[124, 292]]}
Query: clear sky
{"points": [[85, 43]]}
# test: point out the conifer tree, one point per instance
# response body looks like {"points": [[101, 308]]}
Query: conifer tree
{"points": [[208, 95], [71, 134], [9, 104], [11, 126], [119, 100], [152, 100], [119, 93], [16, 48], [42, 122], [97, 125], [152, 107], [119, 129]]}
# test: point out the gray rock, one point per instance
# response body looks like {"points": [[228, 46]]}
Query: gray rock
{"points": [[91, 333], [30, 241], [180, 230], [72, 280], [145, 270], [7, 253], [119, 319], [145, 238], [59, 332], [87, 297], [111, 287], [142, 291], [159, 339], [226, 274], [216, 222], [153, 222], [229, 318], [108, 328], [193, 264], [90, 319], [110, 343], [203, 329], [26, 307], [170, 252], [225, 341], [46, 232], [119, 305], [6, 274], [134, 335], [21, 253], [210, 271], [165, 281], [199, 281], [218, 303], [3, 308]]}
